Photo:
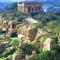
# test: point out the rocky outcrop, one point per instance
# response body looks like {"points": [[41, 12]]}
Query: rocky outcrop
{"points": [[18, 56], [11, 25], [31, 34], [2, 46], [48, 43], [1, 22], [31, 20], [27, 33], [5, 25], [22, 32], [28, 57], [41, 32]]}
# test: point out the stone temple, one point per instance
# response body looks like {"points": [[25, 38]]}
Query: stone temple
{"points": [[29, 7]]}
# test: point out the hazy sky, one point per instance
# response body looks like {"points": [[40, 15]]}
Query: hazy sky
{"points": [[10, 0], [30, 0], [17, 0]]}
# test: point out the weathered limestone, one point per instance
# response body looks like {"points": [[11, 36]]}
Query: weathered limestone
{"points": [[48, 43], [41, 42], [2, 46], [5, 25], [3, 39], [27, 33], [59, 40], [1, 23], [18, 56], [31, 33], [11, 25], [31, 20], [28, 57], [22, 31], [41, 32]]}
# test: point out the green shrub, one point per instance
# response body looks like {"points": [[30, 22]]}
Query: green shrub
{"points": [[8, 52], [27, 49], [41, 56], [2, 58]]}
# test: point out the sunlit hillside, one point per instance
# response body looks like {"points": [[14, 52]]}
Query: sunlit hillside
{"points": [[27, 32]]}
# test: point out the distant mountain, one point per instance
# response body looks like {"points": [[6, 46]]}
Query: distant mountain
{"points": [[53, 9], [2, 7], [51, 5]]}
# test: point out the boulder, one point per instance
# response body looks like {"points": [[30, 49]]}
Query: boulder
{"points": [[22, 31], [27, 33], [31, 33], [18, 56], [28, 57], [48, 43], [3, 46]]}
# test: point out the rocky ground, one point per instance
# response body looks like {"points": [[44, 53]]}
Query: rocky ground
{"points": [[24, 41]]}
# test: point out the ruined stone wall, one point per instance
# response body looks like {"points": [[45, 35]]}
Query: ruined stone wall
{"points": [[7, 25]]}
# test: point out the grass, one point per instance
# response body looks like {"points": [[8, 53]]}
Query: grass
{"points": [[1, 35], [14, 38], [2, 58], [52, 36]]}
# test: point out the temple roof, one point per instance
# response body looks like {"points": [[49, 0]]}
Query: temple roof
{"points": [[30, 2]]}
